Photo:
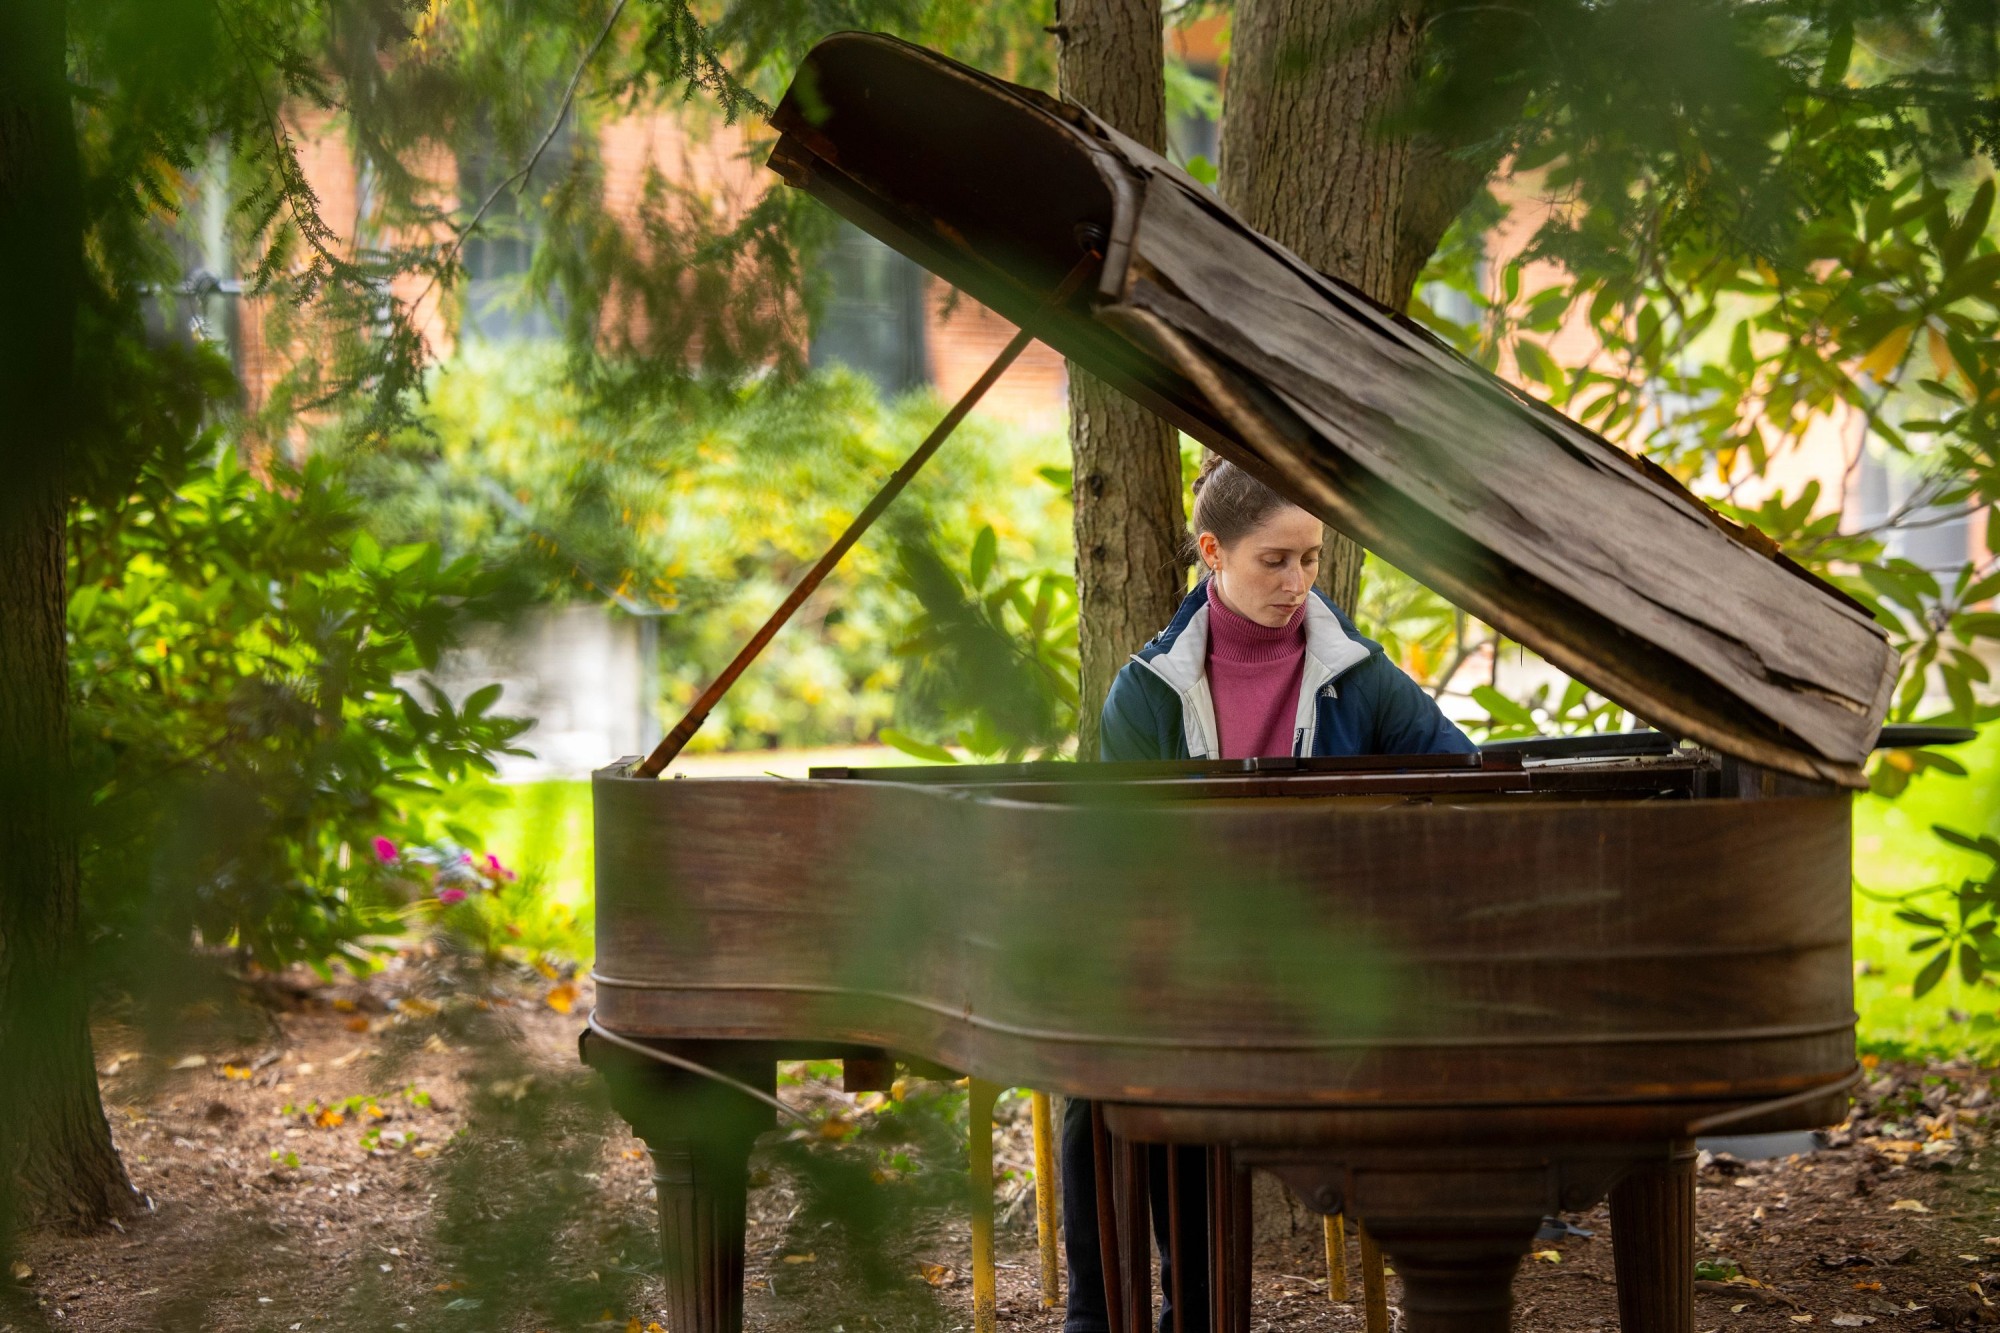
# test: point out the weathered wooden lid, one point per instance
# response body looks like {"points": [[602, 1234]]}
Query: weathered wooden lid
{"points": [[1600, 562]]}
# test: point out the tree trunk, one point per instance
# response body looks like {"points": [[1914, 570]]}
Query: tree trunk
{"points": [[1130, 572], [1305, 160], [57, 1163]]}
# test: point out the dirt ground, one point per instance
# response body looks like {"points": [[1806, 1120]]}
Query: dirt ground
{"points": [[422, 1151]]}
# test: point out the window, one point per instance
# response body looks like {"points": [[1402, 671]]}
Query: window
{"points": [[873, 322], [498, 306]]}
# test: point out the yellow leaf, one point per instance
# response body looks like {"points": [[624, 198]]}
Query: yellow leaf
{"points": [[356, 1024], [1868, 1286], [802, 1258], [1907, 1206], [633, 1325], [654, 1327], [344, 1006], [236, 1072], [416, 1006], [1941, 358], [1549, 1256], [561, 998], [21, 1272], [937, 1274], [1888, 354], [329, 1119]]}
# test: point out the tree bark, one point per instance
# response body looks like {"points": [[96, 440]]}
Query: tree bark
{"points": [[1306, 161], [57, 1163], [1130, 524]]}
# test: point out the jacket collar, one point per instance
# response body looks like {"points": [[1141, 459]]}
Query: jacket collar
{"points": [[1178, 655]]}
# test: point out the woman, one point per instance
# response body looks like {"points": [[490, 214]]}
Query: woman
{"points": [[1257, 663]]}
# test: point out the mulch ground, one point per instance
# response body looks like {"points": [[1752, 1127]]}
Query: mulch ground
{"points": [[422, 1151]]}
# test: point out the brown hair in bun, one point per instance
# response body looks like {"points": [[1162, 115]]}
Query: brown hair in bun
{"points": [[1229, 502]]}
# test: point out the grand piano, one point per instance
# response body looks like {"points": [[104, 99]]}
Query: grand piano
{"points": [[1445, 995]]}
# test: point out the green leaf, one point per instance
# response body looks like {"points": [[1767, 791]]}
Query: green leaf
{"points": [[1970, 227], [915, 748], [1912, 916], [1983, 843], [1932, 974], [481, 699], [1973, 278], [1062, 478], [985, 547], [1970, 965], [1203, 170], [1500, 708]]}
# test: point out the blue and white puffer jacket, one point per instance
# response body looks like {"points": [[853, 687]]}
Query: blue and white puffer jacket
{"points": [[1352, 698]]}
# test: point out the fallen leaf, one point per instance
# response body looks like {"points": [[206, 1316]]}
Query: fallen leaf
{"points": [[416, 1006], [189, 1062], [633, 1325], [1548, 1256], [356, 1024], [1851, 1320], [654, 1327], [329, 1119], [437, 1045], [236, 1072], [20, 1270], [344, 1006], [561, 998], [1907, 1206], [801, 1258], [1801, 1319], [1868, 1286], [937, 1274]]}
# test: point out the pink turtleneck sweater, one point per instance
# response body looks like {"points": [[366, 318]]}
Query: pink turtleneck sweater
{"points": [[1253, 673]]}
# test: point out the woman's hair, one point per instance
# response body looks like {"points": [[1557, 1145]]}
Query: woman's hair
{"points": [[1229, 502]]}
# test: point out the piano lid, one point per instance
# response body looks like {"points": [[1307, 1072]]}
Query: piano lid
{"points": [[1600, 562]]}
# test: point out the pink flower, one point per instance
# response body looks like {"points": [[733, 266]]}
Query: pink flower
{"points": [[450, 896], [495, 869], [385, 851]]}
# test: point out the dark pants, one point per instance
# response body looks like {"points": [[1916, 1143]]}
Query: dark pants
{"points": [[1087, 1312]]}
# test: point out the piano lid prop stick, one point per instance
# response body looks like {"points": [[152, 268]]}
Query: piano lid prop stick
{"points": [[684, 730], [1045, 1198], [1336, 1258], [980, 1096], [1374, 1284]]}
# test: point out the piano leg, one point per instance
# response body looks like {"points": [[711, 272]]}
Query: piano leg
{"points": [[1652, 1238], [700, 1133], [1457, 1282], [1229, 1242]]}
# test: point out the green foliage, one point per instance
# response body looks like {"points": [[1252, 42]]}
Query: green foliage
{"points": [[1963, 937], [245, 714], [990, 659], [711, 507]]}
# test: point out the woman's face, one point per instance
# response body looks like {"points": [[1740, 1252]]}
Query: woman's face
{"points": [[1267, 573]]}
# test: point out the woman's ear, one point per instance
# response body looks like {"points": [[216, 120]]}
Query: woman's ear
{"points": [[1210, 550]]}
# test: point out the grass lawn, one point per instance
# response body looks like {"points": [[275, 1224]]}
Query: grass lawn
{"points": [[543, 829], [1895, 852]]}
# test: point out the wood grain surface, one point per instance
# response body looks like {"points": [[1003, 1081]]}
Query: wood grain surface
{"points": [[1330, 951]]}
